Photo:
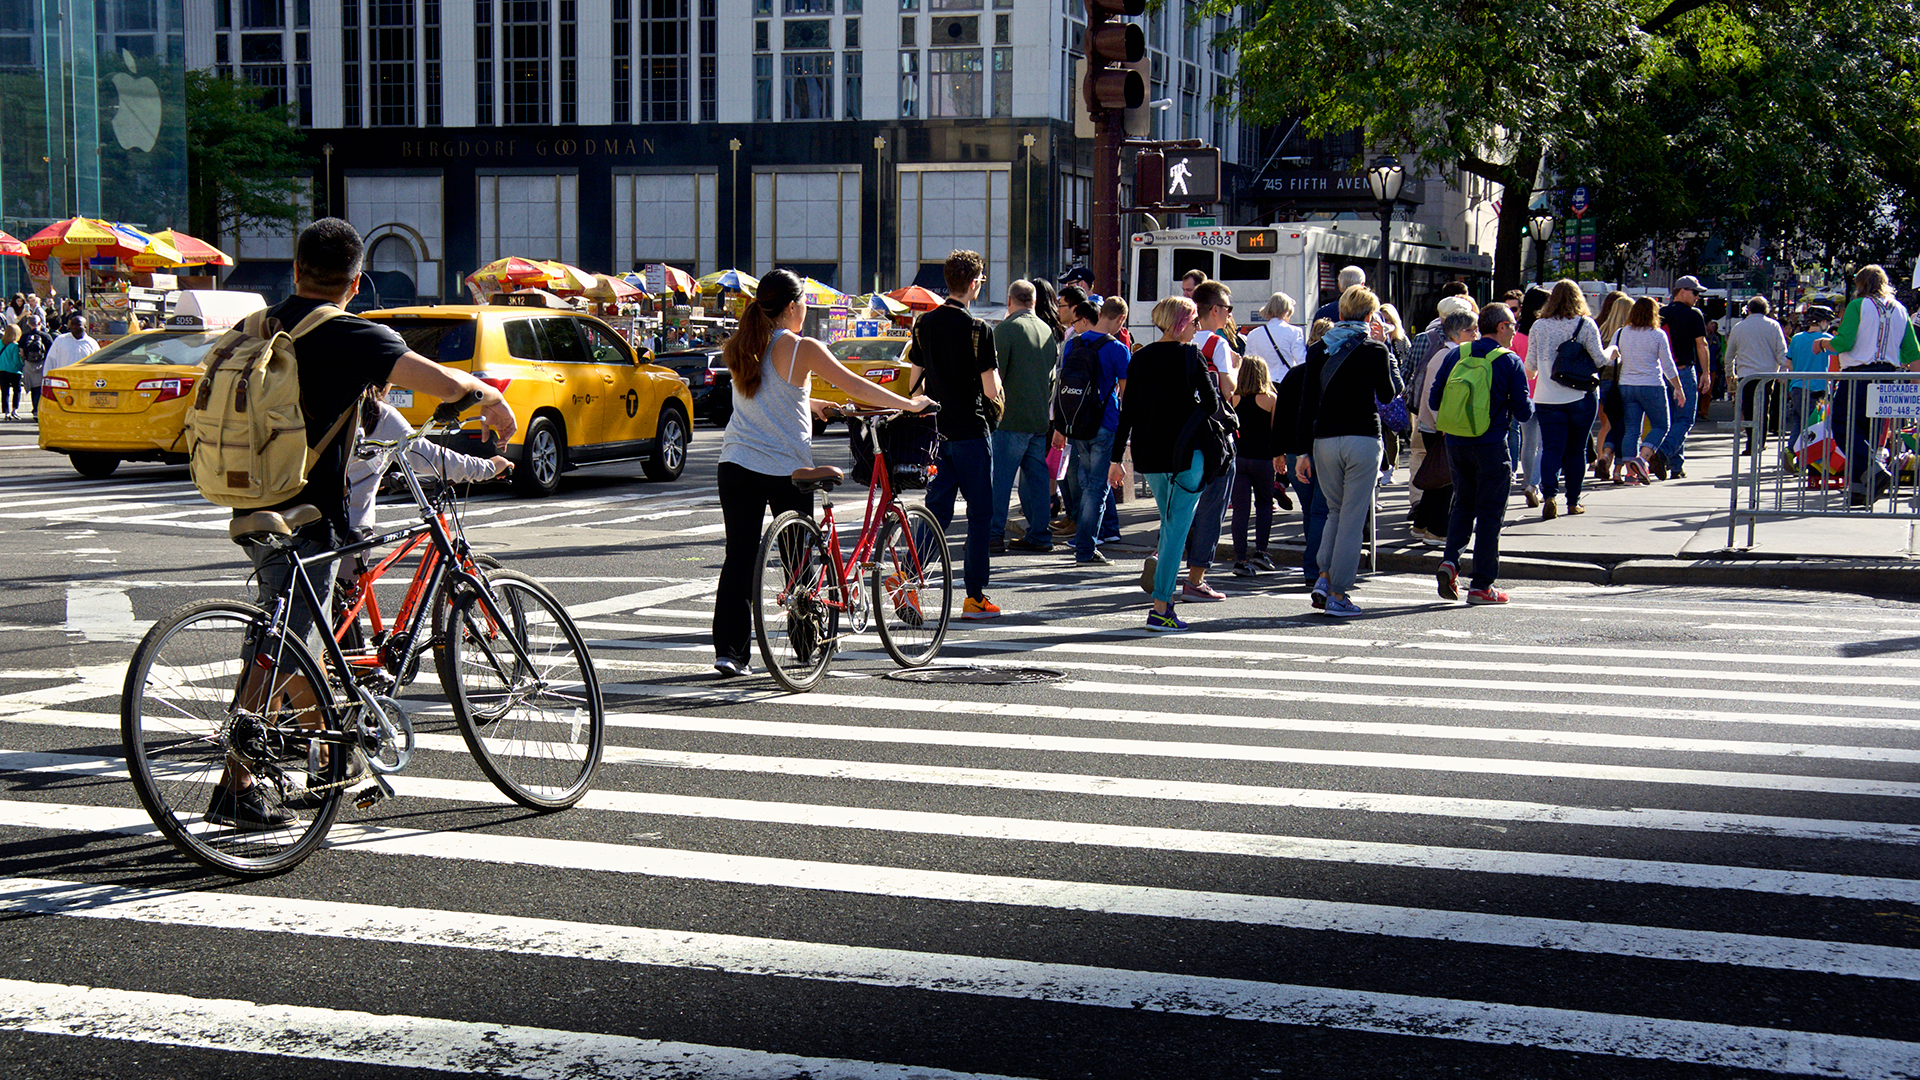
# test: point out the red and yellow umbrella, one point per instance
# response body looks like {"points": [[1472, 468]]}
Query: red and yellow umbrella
{"points": [[565, 278], [9, 245], [195, 251], [510, 273], [917, 298], [85, 238]]}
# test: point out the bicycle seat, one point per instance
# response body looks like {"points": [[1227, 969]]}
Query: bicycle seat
{"points": [[818, 478], [266, 524]]}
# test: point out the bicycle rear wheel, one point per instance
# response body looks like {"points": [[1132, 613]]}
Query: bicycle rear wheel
{"points": [[190, 728], [532, 715], [912, 585], [798, 595]]}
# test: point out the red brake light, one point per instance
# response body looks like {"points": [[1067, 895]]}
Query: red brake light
{"points": [[49, 384], [709, 381], [168, 389], [499, 384]]}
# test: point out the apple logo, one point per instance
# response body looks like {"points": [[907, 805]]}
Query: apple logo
{"points": [[136, 120]]}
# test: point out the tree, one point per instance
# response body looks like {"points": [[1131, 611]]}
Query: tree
{"points": [[244, 161]]}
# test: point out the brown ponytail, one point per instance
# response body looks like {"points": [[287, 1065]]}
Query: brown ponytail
{"points": [[747, 347]]}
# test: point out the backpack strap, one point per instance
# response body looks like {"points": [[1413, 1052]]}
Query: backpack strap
{"points": [[314, 318]]}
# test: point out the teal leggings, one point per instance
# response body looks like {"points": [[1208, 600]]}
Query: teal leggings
{"points": [[1176, 494]]}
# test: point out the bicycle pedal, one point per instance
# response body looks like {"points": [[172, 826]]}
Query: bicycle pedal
{"points": [[366, 798]]}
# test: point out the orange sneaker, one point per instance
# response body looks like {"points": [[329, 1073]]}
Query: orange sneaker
{"points": [[904, 598], [979, 607]]}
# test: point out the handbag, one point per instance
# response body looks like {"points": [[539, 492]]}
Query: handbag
{"points": [[1393, 415], [1573, 368], [1434, 473], [1210, 428]]}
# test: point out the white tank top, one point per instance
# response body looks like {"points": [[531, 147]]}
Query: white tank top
{"points": [[772, 431]]}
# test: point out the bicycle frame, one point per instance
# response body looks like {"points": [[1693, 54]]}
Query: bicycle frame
{"points": [[881, 504]]}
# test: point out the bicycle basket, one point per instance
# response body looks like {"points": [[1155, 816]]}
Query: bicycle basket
{"points": [[912, 446]]}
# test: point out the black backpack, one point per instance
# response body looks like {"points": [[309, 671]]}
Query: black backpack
{"points": [[1079, 409]]}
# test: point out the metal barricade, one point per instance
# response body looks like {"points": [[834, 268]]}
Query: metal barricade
{"points": [[1832, 444]]}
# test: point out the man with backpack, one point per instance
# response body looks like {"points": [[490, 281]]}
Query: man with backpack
{"points": [[338, 359], [1093, 368], [1479, 391]]}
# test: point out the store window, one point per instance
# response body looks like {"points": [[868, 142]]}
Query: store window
{"points": [[851, 95], [800, 34], [809, 86], [909, 85], [954, 78], [763, 88]]}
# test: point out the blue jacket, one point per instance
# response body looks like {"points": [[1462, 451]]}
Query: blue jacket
{"points": [[1510, 400]]}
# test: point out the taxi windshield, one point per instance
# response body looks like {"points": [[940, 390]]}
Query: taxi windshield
{"points": [[445, 341], [158, 349], [868, 350]]}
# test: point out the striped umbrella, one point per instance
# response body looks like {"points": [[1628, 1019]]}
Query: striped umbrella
{"points": [[817, 293], [9, 245], [85, 238], [195, 251], [730, 280], [510, 272], [566, 278]]}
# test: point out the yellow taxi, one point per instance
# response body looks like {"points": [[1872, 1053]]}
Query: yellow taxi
{"points": [[581, 393], [126, 402], [882, 361]]}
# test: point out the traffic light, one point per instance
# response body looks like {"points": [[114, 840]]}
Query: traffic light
{"points": [[1077, 238], [1110, 44]]}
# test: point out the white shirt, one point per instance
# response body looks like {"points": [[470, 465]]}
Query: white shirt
{"points": [[68, 349], [1280, 344], [1757, 345], [1543, 350], [1218, 354], [428, 459]]}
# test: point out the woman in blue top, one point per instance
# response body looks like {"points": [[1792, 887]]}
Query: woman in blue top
{"points": [[769, 435], [11, 366]]}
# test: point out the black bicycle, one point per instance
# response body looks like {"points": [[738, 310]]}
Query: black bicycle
{"points": [[242, 744]]}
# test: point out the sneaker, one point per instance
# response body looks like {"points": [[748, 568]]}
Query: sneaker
{"points": [[247, 811], [1202, 591], [1110, 538], [1021, 543], [1280, 496], [1243, 569], [1260, 560], [1341, 607], [1549, 510], [729, 668], [1658, 465], [996, 547], [904, 598], [1093, 559], [979, 607], [1320, 592], [1488, 595], [1533, 498], [1576, 508], [1147, 571], [1449, 579], [1426, 536], [1164, 620], [1676, 473]]}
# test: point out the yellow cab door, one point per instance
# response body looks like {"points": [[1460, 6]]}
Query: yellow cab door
{"points": [[631, 411], [582, 393], [533, 384]]}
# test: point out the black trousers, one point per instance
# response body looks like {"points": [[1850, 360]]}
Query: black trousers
{"points": [[1751, 398], [745, 498]]}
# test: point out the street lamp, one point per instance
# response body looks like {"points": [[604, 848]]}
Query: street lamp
{"points": [[879, 194], [1385, 178], [328, 196], [734, 145], [1542, 232], [1026, 203]]}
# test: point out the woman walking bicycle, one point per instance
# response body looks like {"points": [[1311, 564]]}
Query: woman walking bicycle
{"points": [[769, 436]]}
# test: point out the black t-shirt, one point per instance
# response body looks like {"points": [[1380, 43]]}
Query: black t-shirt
{"points": [[955, 349], [1685, 326], [339, 360]]}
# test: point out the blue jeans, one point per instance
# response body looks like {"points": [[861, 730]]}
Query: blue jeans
{"points": [[1203, 536], [1022, 454], [1675, 444], [1090, 464], [1175, 494], [1563, 446], [1648, 403], [1313, 508], [1481, 476], [1347, 469], [966, 468]]}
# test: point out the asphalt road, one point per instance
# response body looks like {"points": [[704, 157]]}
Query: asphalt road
{"points": [[1603, 832]]}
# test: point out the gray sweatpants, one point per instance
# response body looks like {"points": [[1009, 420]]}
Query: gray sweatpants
{"points": [[1347, 468]]}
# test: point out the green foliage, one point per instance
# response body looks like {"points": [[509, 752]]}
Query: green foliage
{"points": [[244, 164]]}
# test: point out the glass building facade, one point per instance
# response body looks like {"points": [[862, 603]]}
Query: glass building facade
{"points": [[92, 115]]}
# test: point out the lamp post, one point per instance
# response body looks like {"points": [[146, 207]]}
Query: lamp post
{"points": [[1026, 204], [1542, 232], [879, 194], [1385, 178], [734, 145], [328, 197]]}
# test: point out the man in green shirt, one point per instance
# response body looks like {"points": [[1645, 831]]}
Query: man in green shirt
{"points": [[1028, 353]]}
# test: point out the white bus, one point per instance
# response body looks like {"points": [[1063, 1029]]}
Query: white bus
{"points": [[1302, 260]]}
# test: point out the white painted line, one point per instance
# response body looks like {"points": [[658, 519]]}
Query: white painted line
{"points": [[644, 598], [397, 1041], [510, 523], [130, 1015], [102, 614], [941, 885]]}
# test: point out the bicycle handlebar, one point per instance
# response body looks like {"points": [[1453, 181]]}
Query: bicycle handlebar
{"points": [[843, 412], [449, 411]]}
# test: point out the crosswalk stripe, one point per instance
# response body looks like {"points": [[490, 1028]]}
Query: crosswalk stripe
{"points": [[396, 1041], [1663, 943], [976, 888], [1726, 1046]]}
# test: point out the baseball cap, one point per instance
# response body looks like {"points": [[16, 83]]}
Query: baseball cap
{"points": [[1689, 282], [1078, 273]]}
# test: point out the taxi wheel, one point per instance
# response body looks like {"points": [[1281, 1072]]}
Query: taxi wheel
{"points": [[543, 458], [670, 454], [94, 466]]}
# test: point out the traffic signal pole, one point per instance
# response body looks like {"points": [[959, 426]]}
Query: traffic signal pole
{"points": [[1110, 90]]}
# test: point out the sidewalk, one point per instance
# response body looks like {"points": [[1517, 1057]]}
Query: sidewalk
{"points": [[1672, 532]]}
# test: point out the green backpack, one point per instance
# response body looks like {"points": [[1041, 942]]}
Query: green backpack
{"points": [[1466, 404]]}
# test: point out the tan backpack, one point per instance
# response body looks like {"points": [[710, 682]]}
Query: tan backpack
{"points": [[246, 430]]}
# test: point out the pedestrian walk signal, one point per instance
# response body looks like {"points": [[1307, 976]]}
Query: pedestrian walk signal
{"points": [[1178, 177]]}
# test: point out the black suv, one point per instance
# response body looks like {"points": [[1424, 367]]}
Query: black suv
{"points": [[707, 378]]}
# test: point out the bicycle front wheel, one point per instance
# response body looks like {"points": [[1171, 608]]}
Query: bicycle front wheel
{"points": [[441, 607], [912, 585], [525, 693], [232, 741], [798, 595]]}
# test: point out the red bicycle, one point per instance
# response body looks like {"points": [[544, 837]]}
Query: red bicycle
{"points": [[809, 597]]}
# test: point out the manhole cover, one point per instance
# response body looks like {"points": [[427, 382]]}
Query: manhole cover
{"points": [[979, 676]]}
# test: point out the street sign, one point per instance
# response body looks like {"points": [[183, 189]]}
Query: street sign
{"points": [[1202, 222], [1893, 400], [1579, 202]]}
